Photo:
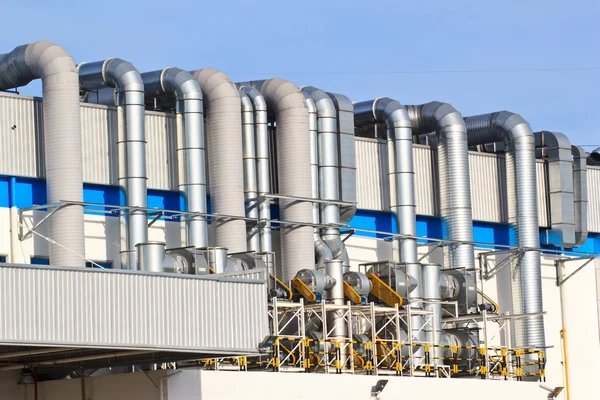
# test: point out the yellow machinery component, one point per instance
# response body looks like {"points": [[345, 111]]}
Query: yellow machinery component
{"points": [[489, 299], [383, 292], [279, 284], [304, 290], [351, 294]]}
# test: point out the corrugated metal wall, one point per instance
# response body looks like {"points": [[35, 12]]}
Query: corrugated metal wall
{"points": [[21, 138], [116, 309], [594, 199]]}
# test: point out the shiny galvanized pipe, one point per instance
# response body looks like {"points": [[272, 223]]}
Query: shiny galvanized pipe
{"points": [[522, 214], [402, 175], [250, 177], [560, 187], [261, 131], [129, 99], [190, 144], [454, 179], [62, 138], [293, 164], [580, 194], [322, 251], [225, 165], [593, 157]]}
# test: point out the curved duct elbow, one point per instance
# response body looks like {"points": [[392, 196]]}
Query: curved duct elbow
{"points": [[293, 162], [225, 168], [129, 99], [522, 214], [560, 174], [190, 144], [593, 157], [62, 139], [580, 195], [402, 181], [454, 179]]}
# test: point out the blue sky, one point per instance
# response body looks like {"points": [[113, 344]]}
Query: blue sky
{"points": [[537, 58]]}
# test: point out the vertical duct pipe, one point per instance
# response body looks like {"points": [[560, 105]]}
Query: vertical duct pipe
{"points": [[329, 174], [129, 99], [62, 138], [261, 131], [250, 177], [293, 164], [560, 187], [402, 180], [190, 144], [322, 251], [454, 180], [522, 214], [580, 195], [225, 166]]}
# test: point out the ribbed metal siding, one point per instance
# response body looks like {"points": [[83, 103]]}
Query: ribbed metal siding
{"points": [[542, 193], [372, 186], [425, 183], [488, 194], [21, 127], [99, 133], [161, 135], [95, 308], [594, 199]]}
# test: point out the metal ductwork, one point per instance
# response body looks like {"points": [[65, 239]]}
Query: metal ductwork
{"points": [[347, 156], [522, 214], [402, 175], [402, 182], [129, 99], [293, 164], [261, 135], [580, 194], [225, 166], [562, 171], [593, 157], [454, 180], [190, 144], [323, 253], [250, 176], [329, 170], [62, 139]]}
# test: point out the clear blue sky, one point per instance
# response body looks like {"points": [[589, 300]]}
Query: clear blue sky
{"points": [[538, 58]]}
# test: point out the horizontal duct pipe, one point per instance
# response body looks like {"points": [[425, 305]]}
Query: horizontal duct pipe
{"points": [[62, 139], [522, 214], [225, 166], [129, 99], [191, 156]]}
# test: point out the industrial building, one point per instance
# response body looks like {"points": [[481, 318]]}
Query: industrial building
{"points": [[175, 235]]}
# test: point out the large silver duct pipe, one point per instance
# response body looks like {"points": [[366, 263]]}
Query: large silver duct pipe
{"points": [[225, 166], [402, 175], [190, 144], [129, 99], [560, 187], [454, 180], [347, 155], [250, 176], [593, 157], [261, 131], [293, 164], [402, 183], [522, 214], [328, 164], [580, 194], [62, 138], [323, 253]]}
